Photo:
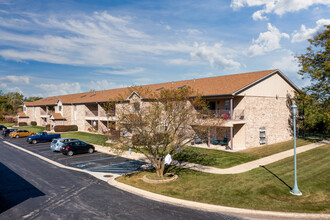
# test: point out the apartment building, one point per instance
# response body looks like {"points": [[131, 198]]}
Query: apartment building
{"points": [[257, 103]]}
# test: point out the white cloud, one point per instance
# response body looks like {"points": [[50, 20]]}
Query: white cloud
{"points": [[123, 72], [102, 85], [142, 81], [16, 79], [60, 89], [287, 63], [168, 27], [267, 41], [307, 33], [217, 55], [190, 76], [279, 7], [7, 88], [181, 62], [96, 40]]}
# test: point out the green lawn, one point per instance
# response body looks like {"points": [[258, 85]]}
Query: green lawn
{"points": [[32, 128], [262, 188], [7, 124], [88, 137], [225, 159]]}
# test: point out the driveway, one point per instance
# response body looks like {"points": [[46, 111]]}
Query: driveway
{"points": [[31, 188], [95, 162]]}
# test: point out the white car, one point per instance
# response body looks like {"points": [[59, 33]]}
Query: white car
{"points": [[58, 143]]}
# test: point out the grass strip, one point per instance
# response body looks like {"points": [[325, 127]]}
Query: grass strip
{"points": [[225, 159], [264, 188], [98, 139], [32, 128]]}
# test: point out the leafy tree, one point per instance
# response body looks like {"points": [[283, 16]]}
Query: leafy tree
{"points": [[314, 99], [31, 99], [315, 64], [160, 124], [15, 99], [314, 118]]}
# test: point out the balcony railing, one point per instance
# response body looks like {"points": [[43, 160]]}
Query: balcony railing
{"points": [[93, 113], [238, 114], [107, 114]]}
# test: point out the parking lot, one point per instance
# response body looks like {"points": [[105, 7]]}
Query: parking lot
{"points": [[95, 162]]}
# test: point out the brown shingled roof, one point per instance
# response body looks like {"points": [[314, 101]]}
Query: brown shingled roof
{"points": [[56, 116], [219, 85], [22, 115]]}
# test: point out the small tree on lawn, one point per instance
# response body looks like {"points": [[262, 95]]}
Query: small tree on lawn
{"points": [[160, 124]]}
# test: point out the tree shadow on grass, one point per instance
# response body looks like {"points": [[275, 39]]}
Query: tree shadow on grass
{"points": [[276, 177]]}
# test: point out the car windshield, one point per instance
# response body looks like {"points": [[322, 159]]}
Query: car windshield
{"points": [[54, 141]]}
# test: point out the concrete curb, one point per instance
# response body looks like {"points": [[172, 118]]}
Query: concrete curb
{"points": [[212, 208], [178, 202]]}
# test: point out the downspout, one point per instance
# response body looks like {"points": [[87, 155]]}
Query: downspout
{"points": [[231, 128]]}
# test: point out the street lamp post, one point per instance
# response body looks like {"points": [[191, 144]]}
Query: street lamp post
{"points": [[295, 190]]}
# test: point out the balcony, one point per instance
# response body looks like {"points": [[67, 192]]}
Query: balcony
{"points": [[238, 114], [107, 114], [45, 114], [91, 113]]}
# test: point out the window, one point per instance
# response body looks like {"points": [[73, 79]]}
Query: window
{"points": [[227, 105], [24, 108], [60, 108], [136, 106], [262, 135], [211, 105]]}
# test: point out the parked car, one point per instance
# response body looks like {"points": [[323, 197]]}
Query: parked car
{"points": [[7, 131], [58, 143], [2, 127], [21, 133], [76, 147], [42, 137]]}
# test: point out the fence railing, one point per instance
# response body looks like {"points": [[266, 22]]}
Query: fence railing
{"points": [[93, 113], [238, 114]]}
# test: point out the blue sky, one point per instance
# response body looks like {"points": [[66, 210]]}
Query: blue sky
{"points": [[59, 47]]}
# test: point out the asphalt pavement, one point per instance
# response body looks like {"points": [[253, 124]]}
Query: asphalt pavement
{"points": [[31, 188], [95, 162]]}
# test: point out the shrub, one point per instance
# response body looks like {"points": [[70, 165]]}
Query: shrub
{"points": [[2, 118], [47, 127], [65, 128], [10, 120], [33, 123], [20, 124]]}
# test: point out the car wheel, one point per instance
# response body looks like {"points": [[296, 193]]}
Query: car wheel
{"points": [[17, 136], [34, 141], [70, 153], [90, 150]]}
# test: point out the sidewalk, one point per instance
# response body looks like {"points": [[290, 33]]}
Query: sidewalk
{"points": [[232, 170]]}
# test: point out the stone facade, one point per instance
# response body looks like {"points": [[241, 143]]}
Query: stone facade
{"points": [[271, 113], [261, 105]]}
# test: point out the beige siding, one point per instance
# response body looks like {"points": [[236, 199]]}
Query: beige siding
{"points": [[270, 87], [239, 137], [67, 114], [81, 123]]}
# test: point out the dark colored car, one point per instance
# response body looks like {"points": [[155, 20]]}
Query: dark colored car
{"points": [[42, 137], [77, 147], [2, 127], [6, 132]]}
